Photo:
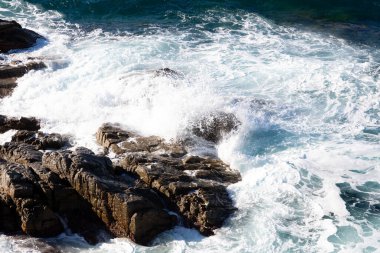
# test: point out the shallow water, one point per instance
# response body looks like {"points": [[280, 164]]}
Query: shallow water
{"points": [[309, 102]]}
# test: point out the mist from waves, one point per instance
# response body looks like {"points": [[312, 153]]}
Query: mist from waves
{"points": [[308, 147]]}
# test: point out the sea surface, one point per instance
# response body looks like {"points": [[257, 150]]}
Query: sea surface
{"points": [[303, 77]]}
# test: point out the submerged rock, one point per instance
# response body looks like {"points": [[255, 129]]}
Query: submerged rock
{"points": [[13, 36], [168, 73]]}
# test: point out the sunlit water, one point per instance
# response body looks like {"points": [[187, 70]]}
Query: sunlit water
{"points": [[308, 148]]}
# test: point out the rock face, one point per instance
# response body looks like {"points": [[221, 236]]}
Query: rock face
{"points": [[41, 192], [20, 184], [48, 199], [127, 209], [13, 36], [193, 186]]}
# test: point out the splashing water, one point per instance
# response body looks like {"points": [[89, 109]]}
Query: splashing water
{"points": [[308, 147]]}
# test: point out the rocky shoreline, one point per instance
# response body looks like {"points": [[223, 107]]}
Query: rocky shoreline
{"points": [[138, 187]]}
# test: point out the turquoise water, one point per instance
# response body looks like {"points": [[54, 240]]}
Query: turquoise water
{"points": [[301, 76]]}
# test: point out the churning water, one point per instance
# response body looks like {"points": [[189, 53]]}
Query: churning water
{"points": [[308, 148]]}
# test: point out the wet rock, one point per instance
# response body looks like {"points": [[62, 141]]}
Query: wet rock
{"points": [[14, 71], [119, 141], [193, 186], [168, 73], [20, 153], [73, 208], [59, 195], [9, 219], [20, 184], [41, 140], [126, 208], [22, 123], [13, 36], [7, 86], [10, 73], [214, 126]]}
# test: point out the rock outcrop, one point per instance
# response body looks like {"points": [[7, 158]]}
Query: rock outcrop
{"points": [[127, 208], [214, 126], [13, 36], [193, 186], [135, 195], [22, 123]]}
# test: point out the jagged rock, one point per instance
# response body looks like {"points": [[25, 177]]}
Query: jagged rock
{"points": [[64, 200], [20, 153], [13, 36], [20, 184], [127, 209], [41, 140], [193, 186], [23, 123], [58, 193], [214, 126]]}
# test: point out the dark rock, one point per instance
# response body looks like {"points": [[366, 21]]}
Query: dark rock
{"points": [[125, 208], [214, 126], [7, 86], [193, 186], [10, 73], [9, 219], [63, 199], [20, 184], [23, 123], [168, 73], [41, 140], [20, 153], [14, 71], [13, 36], [60, 197]]}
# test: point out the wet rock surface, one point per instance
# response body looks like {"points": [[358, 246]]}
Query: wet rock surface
{"points": [[214, 126], [13, 36], [128, 209], [193, 186], [46, 187], [21, 123], [10, 72]]}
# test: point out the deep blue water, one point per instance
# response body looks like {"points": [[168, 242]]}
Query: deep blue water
{"points": [[357, 21]]}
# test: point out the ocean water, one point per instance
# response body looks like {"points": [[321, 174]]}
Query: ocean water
{"points": [[303, 77]]}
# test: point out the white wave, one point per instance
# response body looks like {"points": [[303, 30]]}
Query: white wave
{"points": [[292, 149]]}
